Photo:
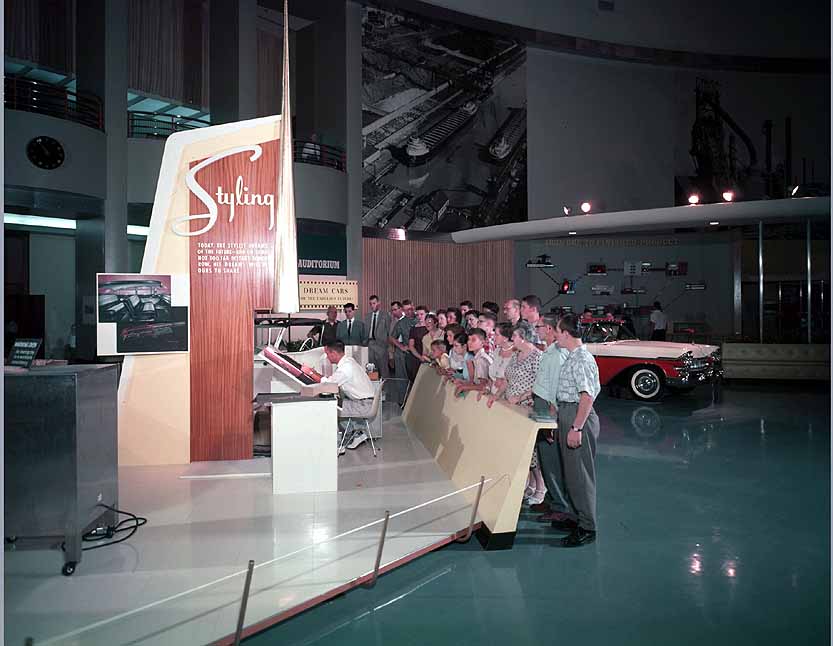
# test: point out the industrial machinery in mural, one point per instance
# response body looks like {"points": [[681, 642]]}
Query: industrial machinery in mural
{"points": [[718, 166], [444, 125]]}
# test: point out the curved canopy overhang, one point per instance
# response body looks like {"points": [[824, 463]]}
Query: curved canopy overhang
{"points": [[662, 219]]}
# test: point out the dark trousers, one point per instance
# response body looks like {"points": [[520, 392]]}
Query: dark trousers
{"points": [[578, 466], [412, 365], [549, 459], [377, 354], [658, 335]]}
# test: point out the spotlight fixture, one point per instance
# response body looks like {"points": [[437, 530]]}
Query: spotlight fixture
{"points": [[693, 199], [728, 196], [566, 209], [794, 191], [585, 207]]}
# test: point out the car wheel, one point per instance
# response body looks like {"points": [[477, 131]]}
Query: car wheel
{"points": [[646, 384]]}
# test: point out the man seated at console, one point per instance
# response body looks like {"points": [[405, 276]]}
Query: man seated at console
{"points": [[355, 388]]}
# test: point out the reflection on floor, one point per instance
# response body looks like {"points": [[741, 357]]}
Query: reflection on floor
{"points": [[714, 528], [180, 579]]}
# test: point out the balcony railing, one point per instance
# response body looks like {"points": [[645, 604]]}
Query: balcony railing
{"points": [[31, 96], [150, 125], [312, 152], [160, 126]]}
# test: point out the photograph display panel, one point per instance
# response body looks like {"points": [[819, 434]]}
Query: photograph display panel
{"points": [[142, 313], [443, 125]]}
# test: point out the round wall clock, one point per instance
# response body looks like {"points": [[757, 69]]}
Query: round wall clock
{"points": [[45, 152]]}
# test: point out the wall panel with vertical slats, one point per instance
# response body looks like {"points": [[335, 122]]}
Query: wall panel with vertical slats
{"points": [[437, 274], [222, 308]]}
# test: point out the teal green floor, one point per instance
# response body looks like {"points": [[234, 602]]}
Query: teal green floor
{"points": [[714, 528]]}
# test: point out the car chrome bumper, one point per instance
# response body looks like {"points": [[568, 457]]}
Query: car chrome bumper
{"points": [[690, 378]]}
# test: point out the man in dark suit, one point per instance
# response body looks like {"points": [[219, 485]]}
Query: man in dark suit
{"points": [[377, 324], [350, 330]]}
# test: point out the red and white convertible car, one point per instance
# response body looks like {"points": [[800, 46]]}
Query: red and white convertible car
{"points": [[649, 369]]}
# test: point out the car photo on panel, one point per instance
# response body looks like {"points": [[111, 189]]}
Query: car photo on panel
{"points": [[157, 336], [134, 299]]}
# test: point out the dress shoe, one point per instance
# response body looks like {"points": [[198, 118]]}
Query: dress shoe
{"points": [[541, 508], [579, 537]]}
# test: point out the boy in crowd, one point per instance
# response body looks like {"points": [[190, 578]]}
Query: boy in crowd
{"points": [[480, 363], [487, 322], [439, 358]]}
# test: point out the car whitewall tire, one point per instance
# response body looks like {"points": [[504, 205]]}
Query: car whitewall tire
{"points": [[646, 383]]}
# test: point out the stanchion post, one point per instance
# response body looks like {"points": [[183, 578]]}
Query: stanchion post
{"points": [[375, 576], [243, 602], [473, 511]]}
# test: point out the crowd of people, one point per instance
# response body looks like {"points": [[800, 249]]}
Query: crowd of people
{"points": [[515, 354]]}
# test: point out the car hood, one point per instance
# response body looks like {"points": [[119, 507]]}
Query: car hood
{"points": [[650, 349]]}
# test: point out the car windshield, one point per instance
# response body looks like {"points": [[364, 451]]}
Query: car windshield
{"points": [[603, 332], [291, 334]]}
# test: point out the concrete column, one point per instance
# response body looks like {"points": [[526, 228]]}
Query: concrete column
{"points": [[233, 60], [101, 68], [305, 86], [353, 142], [737, 284]]}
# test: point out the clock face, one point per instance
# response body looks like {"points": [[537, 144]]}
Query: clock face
{"points": [[45, 152]]}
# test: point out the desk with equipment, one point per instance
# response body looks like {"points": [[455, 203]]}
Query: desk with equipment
{"points": [[304, 430]]}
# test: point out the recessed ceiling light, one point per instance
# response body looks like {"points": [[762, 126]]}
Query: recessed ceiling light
{"points": [[572, 233], [714, 224]]}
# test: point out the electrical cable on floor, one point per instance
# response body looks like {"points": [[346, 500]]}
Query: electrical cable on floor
{"points": [[131, 524]]}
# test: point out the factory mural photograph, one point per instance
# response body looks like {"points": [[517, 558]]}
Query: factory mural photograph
{"points": [[443, 125]]}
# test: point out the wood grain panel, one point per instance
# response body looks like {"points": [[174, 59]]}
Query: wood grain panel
{"points": [[437, 274], [222, 305]]}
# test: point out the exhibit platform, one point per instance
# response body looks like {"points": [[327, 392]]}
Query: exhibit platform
{"points": [[180, 578]]}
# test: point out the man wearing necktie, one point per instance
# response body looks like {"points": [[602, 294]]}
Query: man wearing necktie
{"points": [[378, 324], [350, 330]]}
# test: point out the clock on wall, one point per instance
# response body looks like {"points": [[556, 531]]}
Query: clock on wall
{"points": [[45, 152]]}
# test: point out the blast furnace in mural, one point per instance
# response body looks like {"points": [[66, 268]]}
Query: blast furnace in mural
{"points": [[443, 125]]}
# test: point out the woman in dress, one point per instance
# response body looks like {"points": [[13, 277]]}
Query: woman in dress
{"points": [[502, 355], [520, 377], [434, 333], [414, 357]]}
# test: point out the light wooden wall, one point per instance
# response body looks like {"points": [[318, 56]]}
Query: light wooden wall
{"points": [[437, 274]]}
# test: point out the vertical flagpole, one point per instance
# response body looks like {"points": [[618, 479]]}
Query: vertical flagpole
{"points": [[286, 250]]}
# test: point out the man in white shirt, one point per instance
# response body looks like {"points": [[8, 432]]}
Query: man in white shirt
{"points": [[355, 388], [659, 323]]}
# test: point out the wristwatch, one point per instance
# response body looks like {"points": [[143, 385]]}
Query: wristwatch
{"points": [[574, 428]]}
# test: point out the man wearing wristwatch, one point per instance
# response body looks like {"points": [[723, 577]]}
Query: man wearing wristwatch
{"points": [[578, 430]]}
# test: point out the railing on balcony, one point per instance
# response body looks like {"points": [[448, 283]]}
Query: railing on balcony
{"points": [[313, 152], [160, 126], [151, 125], [31, 96]]}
